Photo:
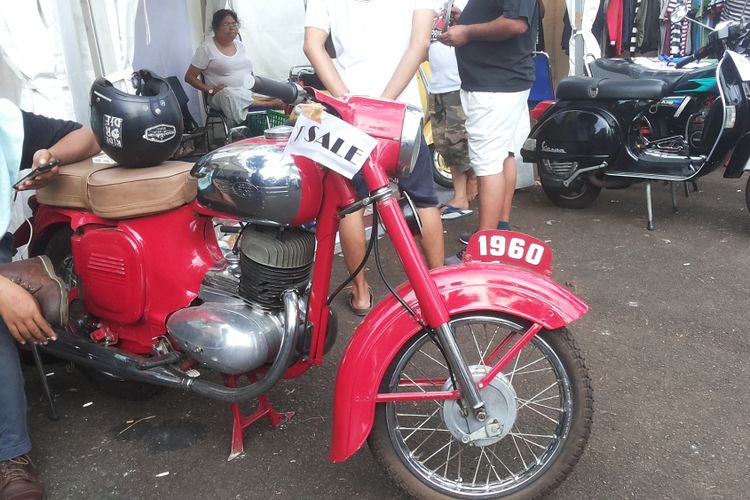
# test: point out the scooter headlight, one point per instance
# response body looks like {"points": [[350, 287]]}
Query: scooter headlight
{"points": [[411, 139]]}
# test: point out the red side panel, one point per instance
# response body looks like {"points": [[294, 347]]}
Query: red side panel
{"points": [[110, 264], [465, 288]]}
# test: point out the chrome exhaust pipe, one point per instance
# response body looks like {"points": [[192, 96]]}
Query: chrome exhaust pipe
{"points": [[130, 366]]}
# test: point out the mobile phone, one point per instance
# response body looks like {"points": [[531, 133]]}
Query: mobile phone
{"points": [[44, 167]]}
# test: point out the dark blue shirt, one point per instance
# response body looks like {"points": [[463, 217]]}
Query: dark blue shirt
{"points": [[504, 66]]}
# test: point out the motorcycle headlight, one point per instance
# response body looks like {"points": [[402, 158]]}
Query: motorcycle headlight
{"points": [[411, 139]]}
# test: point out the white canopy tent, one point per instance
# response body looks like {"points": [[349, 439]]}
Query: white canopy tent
{"points": [[52, 50]]}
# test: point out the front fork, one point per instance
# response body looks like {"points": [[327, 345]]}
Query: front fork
{"points": [[430, 301]]}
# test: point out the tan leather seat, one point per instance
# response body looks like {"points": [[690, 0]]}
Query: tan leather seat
{"points": [[114, 192]]}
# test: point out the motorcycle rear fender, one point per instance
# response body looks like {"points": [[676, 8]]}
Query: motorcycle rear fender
{"points": [[470, 287], [587, 135], [740, 160]]}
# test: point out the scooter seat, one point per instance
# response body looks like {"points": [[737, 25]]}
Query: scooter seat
{"points": [[114, 192], [577, 87], [622, 68]]}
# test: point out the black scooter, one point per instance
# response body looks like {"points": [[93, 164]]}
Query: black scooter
{"points": [[601, 132]]}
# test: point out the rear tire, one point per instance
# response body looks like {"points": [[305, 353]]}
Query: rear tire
{"points": [[423, 459], [747, 194], [119, 387], [578, 196]]}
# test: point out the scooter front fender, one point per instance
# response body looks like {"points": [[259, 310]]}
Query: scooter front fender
{"points": [[470, 287], [740, 160]]}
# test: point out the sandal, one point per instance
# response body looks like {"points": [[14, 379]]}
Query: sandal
{"points": [[360, 311]]}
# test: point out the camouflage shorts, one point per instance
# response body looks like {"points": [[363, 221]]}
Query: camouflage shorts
{"points": [[448, 132]]}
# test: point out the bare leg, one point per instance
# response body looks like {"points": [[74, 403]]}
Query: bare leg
{"points": [[432, 236], [491, 200], [509, 174], [471, 185], [459, 199], [352, 234]]}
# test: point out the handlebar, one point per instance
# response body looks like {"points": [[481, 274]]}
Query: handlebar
{"points": [[699, 54], [290, 93]]}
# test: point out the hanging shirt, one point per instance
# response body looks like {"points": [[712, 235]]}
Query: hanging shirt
{"points": [[734, 10]]}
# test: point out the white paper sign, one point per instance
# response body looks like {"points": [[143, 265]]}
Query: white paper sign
{"points": [[333, 143]]}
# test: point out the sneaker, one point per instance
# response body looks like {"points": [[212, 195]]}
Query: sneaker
{"points": [[465, 237], [17, 480], [455, 259]]}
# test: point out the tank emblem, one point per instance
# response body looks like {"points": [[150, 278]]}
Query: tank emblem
{"points": [[550, 149], [244, 189], [160, 133]]}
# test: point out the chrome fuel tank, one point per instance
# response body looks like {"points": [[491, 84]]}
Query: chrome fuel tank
{"points": [[254, 180]]}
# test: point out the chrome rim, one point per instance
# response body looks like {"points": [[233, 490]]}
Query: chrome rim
{"points": [[441, 168], [540, 425]]}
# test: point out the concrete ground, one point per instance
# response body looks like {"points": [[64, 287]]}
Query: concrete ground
{"points": [[666, 342]]}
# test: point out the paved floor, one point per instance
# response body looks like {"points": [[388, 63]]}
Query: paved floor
{"points": [[666, 342]]}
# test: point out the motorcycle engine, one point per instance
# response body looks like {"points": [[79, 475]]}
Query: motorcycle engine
{"points": [[239, 326], [272, 261]]}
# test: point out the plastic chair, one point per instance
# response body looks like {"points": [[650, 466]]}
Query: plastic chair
{"points": [[542, 89], [215, 119]]}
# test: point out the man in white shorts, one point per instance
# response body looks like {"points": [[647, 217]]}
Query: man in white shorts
{"points": [[494, 42], [379, 45]]}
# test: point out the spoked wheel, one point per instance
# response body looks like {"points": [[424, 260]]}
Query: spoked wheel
{"points": [[542, 401], [578, 195], [440, 171]]}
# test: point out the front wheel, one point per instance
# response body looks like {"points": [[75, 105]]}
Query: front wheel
{"points": [[579, 195], [747, 194], [543, 402]]}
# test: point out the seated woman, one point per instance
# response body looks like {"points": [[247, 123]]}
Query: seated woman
{"points": [[224, 63]]}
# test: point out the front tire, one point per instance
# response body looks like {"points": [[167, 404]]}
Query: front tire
{"points": [[747, 194], [548, 433], [578, 196]]}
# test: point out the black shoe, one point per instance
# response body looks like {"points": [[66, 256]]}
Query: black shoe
{"points": [[465, 237], [455, 259]]}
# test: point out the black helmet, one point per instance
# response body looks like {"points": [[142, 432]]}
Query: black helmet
{"points": [[139, 130]]}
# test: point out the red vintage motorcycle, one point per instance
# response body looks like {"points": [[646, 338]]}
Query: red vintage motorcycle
{"points": [[465, 380]]}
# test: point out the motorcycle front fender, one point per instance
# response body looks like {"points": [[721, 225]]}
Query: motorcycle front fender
{"points": [[465, 288]]}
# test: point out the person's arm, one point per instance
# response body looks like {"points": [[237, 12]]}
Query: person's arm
{"points": [[191, 77], [497, 30], [21, 314], [415, 55], [75, 146], [315, 50]]}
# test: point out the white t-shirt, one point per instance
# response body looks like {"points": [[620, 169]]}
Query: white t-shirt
{"points": [[220, 69], [370, 38], [444, 77]]}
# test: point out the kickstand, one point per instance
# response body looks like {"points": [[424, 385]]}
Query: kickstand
{"points": [[649, 208], [674, 197], [45, 385], [240, 421]]}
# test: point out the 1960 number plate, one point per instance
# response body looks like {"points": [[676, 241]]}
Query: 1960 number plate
{"points": [[510, 247]]}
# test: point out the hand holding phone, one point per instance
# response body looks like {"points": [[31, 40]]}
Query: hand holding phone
{"points": [[41, 169]]}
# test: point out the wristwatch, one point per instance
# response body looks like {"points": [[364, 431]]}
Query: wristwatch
{"points": [[211, 91]]}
